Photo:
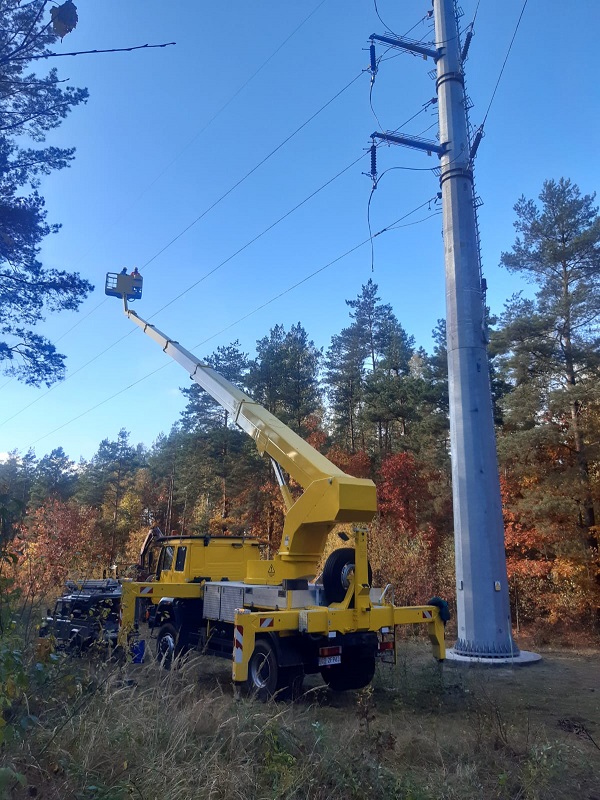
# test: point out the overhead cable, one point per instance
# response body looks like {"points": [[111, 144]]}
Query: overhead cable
{"points": [[189, 288], [505, 60], [480, 133], [260, 235], [217, 114], [391, 226], [252, 171], [223, 196]]}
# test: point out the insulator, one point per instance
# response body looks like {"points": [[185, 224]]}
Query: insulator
{"points": [[465, 50], [373, 60], [476, 143], [373, 161]]}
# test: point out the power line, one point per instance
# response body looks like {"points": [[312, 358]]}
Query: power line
{"points": [[183, 150], [381, 57], [260, 235], [475, 14], [391, 226], [480, 133], [387, 27], [68, 377], [225, 105], [375, 185], [505, 60], [416, 222], [192, 286], [424, 108], [223, 196], [252, 171]]}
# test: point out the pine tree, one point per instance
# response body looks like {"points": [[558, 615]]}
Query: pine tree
{"points": [[53, 477], [345, 371], [372, 319], [104, 482], [31, 105], [549, 354], [284, 377], [550, 344], [390, 389]]}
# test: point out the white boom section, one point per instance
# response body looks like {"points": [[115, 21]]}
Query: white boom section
{"points": [[296, 456]]}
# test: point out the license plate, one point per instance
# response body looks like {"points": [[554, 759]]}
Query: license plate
{"points": [[326, 661]]}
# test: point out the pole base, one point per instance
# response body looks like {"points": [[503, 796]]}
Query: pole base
{"points": [[522, 658]]}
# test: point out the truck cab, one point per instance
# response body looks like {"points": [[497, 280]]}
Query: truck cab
{"points": [[184, 565], [193, 559]]}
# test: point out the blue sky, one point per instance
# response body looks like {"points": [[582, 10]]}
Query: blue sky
{"points": [[167, 132]]}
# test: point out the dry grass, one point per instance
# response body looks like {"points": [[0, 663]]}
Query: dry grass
{"points": [[420, 733]]}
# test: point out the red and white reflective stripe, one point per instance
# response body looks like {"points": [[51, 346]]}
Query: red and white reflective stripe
{"points": [[238, 644], [146, 590], [266, 622], [427, 615]]}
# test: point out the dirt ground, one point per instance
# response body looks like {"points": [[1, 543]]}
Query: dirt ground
{"points": [[541, 721], [546, 714], [562, 691]]}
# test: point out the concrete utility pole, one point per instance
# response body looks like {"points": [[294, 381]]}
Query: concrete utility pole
{"points": [[484, 625]]}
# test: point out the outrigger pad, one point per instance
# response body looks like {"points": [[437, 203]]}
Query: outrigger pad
{"points": [[119, 284]]}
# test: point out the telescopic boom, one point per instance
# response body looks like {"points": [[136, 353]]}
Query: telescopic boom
{"points": [[330, 495]]}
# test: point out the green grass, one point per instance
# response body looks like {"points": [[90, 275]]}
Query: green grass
{"points": [[421, 732]]}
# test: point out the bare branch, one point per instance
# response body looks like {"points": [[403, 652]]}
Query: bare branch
{"points": [[93, 52]]}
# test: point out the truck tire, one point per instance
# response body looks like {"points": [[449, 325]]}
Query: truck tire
{"points": [[336, 574], [353, 675], [263, 671], [166, 645]]}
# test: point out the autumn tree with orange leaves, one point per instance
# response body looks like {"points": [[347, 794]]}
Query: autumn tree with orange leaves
{"points": [[61, 540]]}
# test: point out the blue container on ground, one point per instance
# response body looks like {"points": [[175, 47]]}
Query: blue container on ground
{"points": [[138, 651]]}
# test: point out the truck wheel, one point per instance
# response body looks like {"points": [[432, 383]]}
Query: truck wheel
{"points": [[336, 574], [263, 671], [166, 645], [354, 675]]}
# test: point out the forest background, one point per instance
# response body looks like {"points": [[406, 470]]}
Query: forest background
{"points": [[377, 405], [373, 400]]}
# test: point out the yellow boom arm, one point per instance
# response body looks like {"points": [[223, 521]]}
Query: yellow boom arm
{"points": [[330, 495]]}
